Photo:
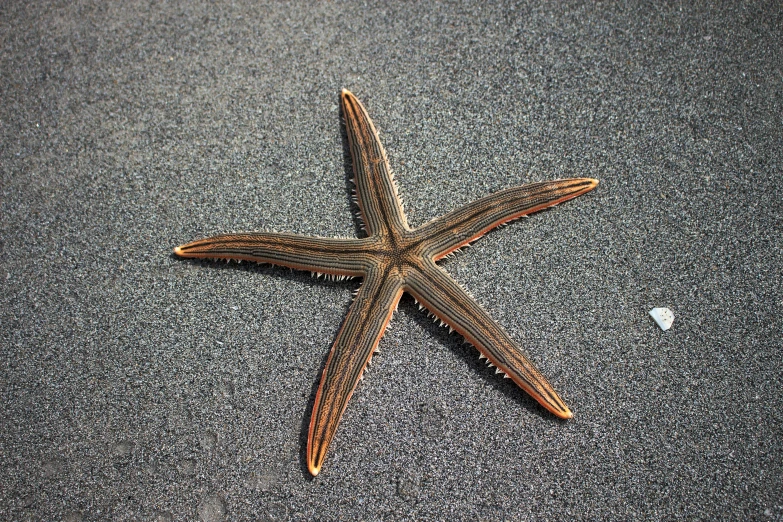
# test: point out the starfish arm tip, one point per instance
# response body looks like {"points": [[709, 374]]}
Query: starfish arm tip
{"points": [[565, 414], [313, 469], [178, 250]]}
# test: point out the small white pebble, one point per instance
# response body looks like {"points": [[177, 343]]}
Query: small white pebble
{"points": [[663, 316]]}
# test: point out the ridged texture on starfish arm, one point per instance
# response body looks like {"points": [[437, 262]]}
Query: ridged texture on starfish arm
{"points": [[349, 257], [394, 259], [442, 296], [376, 192], [370, 312], [459, 227]]}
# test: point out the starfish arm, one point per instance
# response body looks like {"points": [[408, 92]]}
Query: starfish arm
{"points": [[442, 296], [459, 227], [359, 336], [344, 257], [375, 189]]}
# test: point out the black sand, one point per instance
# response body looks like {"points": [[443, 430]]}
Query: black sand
{"points": [[138, 386]]}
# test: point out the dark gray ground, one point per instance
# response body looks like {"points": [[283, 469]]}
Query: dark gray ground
{"points": [[137, 386]]}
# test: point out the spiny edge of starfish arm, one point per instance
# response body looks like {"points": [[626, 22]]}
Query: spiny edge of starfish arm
{"points": [[377, 194], [564, 413], [546, 395], [353, 349], [345, 93], [472, 221], [336, 257]]}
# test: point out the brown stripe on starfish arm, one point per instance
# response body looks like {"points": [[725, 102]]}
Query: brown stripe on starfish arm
{"points": [[442, 296], [364, 326], [375, 189], [459, 227], [348, 257]]}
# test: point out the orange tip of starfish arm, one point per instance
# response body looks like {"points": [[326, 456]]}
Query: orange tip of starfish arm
{"points": [[561, 410], [178, 250]]}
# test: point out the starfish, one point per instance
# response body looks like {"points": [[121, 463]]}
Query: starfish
{"points": [[392, 259]]}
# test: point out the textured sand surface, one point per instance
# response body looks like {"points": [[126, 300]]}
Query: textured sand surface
{"points": [[138, 386]]}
